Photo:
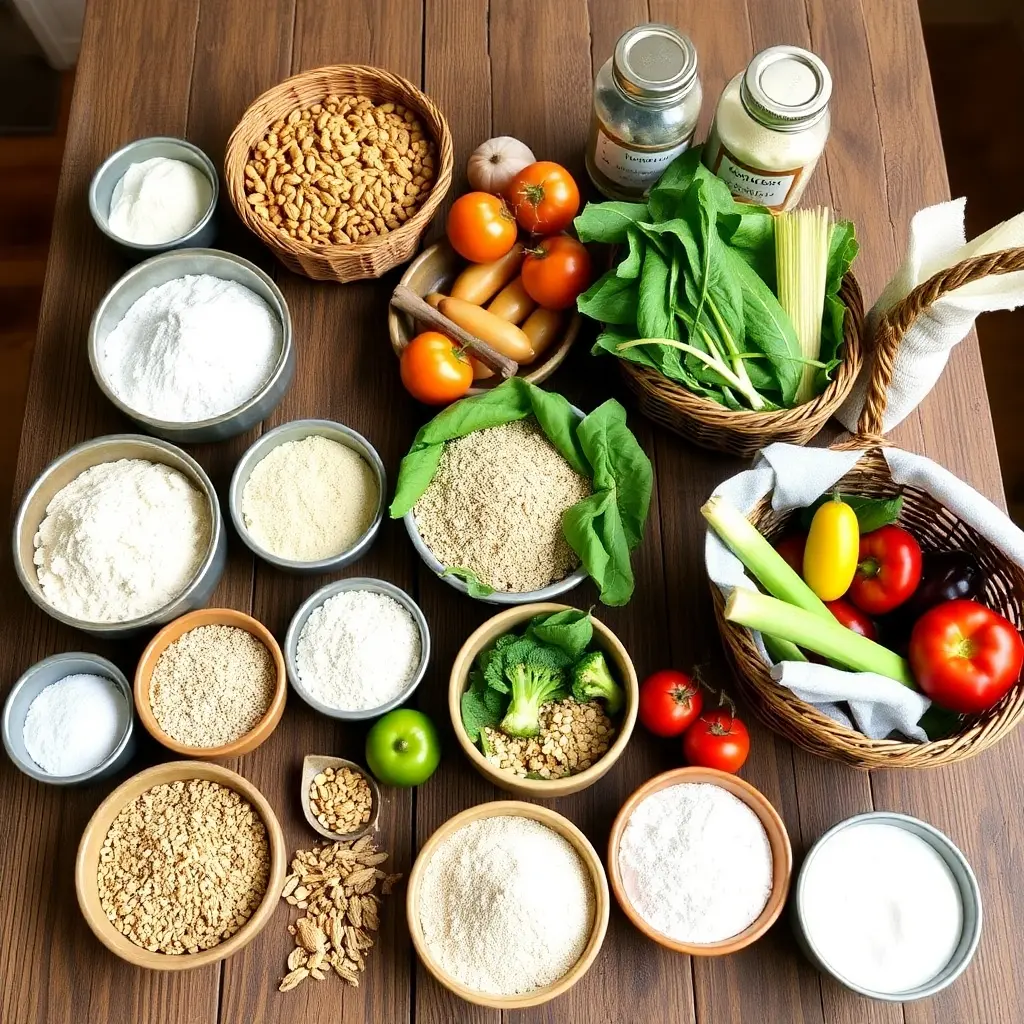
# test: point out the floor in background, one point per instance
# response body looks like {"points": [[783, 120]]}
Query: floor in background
{"points": [[30, 90], [978, 75]]}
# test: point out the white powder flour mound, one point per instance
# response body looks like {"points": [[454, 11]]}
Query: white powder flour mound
{"points": [[121, 540], [506, 905], [191, 348], [696, 864], [358, 650]]}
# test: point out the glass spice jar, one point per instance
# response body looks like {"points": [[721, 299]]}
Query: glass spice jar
{"points": [[647, 99], [771, 126]]}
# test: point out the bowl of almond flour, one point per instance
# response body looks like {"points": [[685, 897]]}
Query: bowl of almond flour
{"points": [[120, 534]]}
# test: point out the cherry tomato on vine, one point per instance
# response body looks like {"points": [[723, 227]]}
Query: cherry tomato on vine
{"points": [[718, 739], [434, 370], [544, 197], [481, 227], [556, 272], [669, 702]]}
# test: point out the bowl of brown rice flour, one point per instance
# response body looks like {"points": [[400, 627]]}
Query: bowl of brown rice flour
{"points": [[357, 648], [493, 513]]}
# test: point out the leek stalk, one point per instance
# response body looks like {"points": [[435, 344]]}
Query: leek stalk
{"points": [[829, 639]]}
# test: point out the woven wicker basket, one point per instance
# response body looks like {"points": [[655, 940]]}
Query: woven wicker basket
{"points": [[744, 433], [337, 262], [933, 525]]}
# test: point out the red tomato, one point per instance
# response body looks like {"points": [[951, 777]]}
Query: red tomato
{"points": [[669, 702], [791, 548], [718, 739], [434, 370], [556, 272], [888, 570], [965, 656], [481, 227], [852, 618], [544, 196]]}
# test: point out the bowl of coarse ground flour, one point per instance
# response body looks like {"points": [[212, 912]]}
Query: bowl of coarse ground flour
{"points": [[194, 345], [121, 534]]}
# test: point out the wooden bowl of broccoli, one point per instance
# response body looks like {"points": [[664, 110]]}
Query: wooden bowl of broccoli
{"points": [[543, 699]]}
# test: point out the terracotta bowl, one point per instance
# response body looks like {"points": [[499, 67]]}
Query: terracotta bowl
{"points": [[88, 859], [544, 789], [435, 270], [778, 839], [564, 827], [171, 632]]}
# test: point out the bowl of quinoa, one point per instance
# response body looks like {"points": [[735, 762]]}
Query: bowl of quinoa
{"points": [[211, 684], [493, 510]]}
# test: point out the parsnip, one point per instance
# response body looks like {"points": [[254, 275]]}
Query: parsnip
{"points": [[543, 327], [480, 282], [434, 298], [508, 339], [512, 303]]}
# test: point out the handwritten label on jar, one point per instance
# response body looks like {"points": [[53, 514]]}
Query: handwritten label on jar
{"points": [[634, 168], [753, 184]]}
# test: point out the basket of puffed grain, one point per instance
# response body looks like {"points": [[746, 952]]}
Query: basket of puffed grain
{"points": [[339, 170]]}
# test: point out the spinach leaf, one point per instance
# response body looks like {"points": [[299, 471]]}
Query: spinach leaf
{"points": [[611, 299], [842, 251], [570, 630], [608, 222], [475, 586], [654, 317], [482, 708], [630, 267], [872, 513]]}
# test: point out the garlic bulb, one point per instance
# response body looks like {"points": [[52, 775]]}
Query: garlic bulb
{"points": [[496, 162]]}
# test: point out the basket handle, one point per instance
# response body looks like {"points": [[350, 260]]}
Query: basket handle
{"points": [[900, 318]]}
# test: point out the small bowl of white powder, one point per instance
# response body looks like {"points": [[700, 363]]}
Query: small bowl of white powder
{"points": [[700, 861], [357, 648], [193, 345], [156, 194], [308, 496], [119, 535], [68, 720]]}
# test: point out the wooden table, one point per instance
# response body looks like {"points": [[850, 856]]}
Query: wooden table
{"points": [[190, 67]]}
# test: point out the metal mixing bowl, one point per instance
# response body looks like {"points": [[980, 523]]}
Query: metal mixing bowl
{"points": [[970, 900], [32, 683], [109, 449], [166, 267], [110, 172], [291, 642], [296, 430]]}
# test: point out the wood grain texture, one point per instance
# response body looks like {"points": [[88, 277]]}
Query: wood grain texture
{"points": [[494, 67]]}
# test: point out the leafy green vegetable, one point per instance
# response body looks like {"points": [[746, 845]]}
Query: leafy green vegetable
{"points": [[592, 680], [693, 294], [482, 706], [475, 586], [872, 513], [602, 529], [939, 723], [571, 631]]}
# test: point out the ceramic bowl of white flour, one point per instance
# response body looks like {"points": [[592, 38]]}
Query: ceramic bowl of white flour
{"points": [[357, 648], [193, 345], [120, 535]]}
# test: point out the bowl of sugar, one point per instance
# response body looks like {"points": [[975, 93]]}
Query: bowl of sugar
{"points": [[193, 345], [68, 720], [888, 906], [156, 194]]}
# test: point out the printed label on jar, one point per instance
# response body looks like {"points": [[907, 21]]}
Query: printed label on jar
{"points": [[633, 168], [753, 184]]}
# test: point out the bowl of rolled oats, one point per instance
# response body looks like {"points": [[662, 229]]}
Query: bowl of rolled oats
{"points": [[339, 170], [181, 866]]}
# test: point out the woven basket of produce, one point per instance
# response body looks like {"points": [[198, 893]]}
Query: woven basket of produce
{"points": [[339, 170], [733, 327], [936, 529]]}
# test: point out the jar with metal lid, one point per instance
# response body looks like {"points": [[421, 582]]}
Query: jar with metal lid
{"points": [[647, 99], [771, 126]]}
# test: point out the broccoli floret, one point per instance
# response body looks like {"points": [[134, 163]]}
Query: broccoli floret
{"points": [[591, 680], [538, 675]]}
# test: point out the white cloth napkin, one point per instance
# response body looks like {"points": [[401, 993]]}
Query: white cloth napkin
{"points": [[937, 241], [796, 476]]}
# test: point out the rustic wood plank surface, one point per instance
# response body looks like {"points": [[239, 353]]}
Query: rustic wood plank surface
{"points": [[495, 67]]}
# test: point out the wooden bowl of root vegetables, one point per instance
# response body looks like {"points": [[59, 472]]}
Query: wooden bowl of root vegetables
{"points": [[440, 275]]}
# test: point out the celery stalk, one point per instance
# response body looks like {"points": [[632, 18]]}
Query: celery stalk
{"points": [[769, 567], [829, 639], [782, 650]]}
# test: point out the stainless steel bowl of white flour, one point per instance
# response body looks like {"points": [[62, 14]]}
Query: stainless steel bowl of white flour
{"points": [[370, 659], [193, 345], [104, 547]]}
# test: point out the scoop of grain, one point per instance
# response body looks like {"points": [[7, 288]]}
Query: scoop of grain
{"points": [[183, 866], [212, 685], [309, 499], [340, 800], [495, 506]]}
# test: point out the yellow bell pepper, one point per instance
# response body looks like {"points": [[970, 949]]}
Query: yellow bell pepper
{"points": [[830, 556]]}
